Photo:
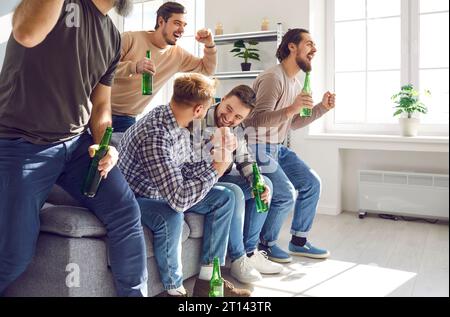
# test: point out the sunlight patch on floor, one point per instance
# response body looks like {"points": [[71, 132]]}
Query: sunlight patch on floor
{"points": [[331, 278]]}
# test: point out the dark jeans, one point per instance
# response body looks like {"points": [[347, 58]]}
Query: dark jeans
{"points": [[28, 173], [122, 123]]}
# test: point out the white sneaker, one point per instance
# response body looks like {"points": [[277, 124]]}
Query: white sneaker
{"points": [[260, 262], [243, 271]]}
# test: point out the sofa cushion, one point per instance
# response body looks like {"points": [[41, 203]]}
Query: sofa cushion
{"points": [[59, 196], [71, 221], [195, 223], [148, 234]]}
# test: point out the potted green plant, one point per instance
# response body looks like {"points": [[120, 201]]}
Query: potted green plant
{"points": [[245, 52], [409, 104]]}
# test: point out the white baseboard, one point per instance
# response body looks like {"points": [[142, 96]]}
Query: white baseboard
{"points": [[330, 210]]}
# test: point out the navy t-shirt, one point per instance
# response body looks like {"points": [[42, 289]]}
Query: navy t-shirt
{"points": [[45, 90]]}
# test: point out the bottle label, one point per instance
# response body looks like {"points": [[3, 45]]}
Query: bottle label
{"points": [[218, 290], [305, 112]]}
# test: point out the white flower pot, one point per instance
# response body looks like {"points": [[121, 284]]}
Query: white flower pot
{"points": [[409, 126]]}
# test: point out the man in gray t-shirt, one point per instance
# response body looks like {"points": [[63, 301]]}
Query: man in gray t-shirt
{"points": [[55, 83], [296, 186]]}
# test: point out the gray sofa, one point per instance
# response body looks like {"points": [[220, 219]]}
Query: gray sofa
{"points": [[72, 239]]}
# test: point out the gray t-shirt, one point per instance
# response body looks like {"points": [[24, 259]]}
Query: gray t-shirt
{"points": [[275, 91], [45, 90]]}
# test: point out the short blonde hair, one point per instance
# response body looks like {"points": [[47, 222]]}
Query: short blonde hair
{"points": [[194, 89]]}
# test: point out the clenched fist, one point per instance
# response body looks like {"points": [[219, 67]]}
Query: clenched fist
{"points": [[329, 100], [205, 36]]}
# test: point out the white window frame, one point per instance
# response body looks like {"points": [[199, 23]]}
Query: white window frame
{"points": [[409, 72]]}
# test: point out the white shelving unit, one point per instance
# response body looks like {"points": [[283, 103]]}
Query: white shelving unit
{"points": [[238, 74], [260, 36]]}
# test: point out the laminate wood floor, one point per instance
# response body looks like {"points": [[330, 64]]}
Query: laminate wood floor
{"points": [[370, 257]]}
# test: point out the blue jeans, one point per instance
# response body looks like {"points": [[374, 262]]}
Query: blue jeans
{"points": [[235, 239], [122, 123], [27, 174], [248, 231], [167, 226], [298, 188]]}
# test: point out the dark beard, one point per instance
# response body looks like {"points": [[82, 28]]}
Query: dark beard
{"points": [[123, 7], [304, 66]]}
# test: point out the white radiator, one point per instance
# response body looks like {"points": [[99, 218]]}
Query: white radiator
{"points": [[409, 194]]}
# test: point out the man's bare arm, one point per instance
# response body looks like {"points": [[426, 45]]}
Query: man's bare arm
{"points": [[34, 19], [101, 111]]}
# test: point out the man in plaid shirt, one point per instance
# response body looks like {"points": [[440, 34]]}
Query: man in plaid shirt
{"points": [[157, 160], [230, 112]]}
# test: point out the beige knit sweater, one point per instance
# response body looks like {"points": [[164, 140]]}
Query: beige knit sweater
{"points": [[127, 98]]}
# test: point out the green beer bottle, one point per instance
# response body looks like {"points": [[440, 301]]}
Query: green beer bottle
{"points": [[216, 282], [147, 80], [258, 188], [93, 178], [306, 112]]}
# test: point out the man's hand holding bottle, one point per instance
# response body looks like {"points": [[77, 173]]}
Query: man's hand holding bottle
{"points": [[303, 100], [145, 65], [107, 163], [306, 101]]}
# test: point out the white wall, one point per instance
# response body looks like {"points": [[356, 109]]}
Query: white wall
{"points": [[337, 160], [246, 16], [404, 161]]}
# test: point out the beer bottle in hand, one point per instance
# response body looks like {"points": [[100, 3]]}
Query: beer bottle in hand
{"points": [[259, 187], [306, 112], [147, 80], [93, 178]]}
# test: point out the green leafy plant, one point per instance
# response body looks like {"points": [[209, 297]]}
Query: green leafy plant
{"points": [[408, 101], [244, 51]]}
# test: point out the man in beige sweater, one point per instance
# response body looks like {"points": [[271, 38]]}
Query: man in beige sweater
{"points": [[278, 104], [167, 59]]}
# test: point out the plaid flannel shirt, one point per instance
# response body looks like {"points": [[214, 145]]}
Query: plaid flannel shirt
{"points": [[156, 159], [241, 156]]}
